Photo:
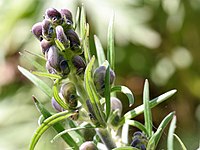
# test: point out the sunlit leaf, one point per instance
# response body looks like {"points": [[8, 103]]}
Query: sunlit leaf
{"points": [[125, 131], [38, 82], [99, 50], [126, 91], [47, 75], [77, 18], [170, 138], [137, 125], [147, 109], [60, 46]]}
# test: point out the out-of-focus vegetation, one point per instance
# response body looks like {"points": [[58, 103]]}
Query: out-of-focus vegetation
{"points": [[154, 39]]}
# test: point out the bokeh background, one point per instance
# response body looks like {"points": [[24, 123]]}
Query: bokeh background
{"points": [[154, 39]]}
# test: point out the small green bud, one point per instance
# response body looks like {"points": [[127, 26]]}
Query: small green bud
{"points": [[68, 91], [99, 79], [37, 30], [88, 145]]}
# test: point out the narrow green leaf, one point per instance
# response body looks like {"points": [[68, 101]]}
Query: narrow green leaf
{"points": [[126, 91], [152, 144], [57, 126], [125, 135], [93, 96], [170, 138], [46, 125], [82, 23], [107, 91], [57, 97], [181, 143], [147, 109], [33, 62], [37, 55], [38, 82], [110, 49], [47, 75], [99, 49], [154, 102], [77, 18], [126, 148], [137, 125], [60, 46]]}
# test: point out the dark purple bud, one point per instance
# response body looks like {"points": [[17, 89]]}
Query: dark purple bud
{"points": [[64, 67], [138, 134], [53, 15], [37, 30], [116, 105], [99, 79], [47, 29], [55, 105], [88, 145], [45, 45], [50, 69], [139, 140], [74, 41], [53, 57], [60, 35], [79, 64], [135, 142], [66, 14], [68, 92]]}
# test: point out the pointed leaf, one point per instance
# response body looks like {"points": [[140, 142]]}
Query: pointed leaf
{"points": [[181, 143], [125, 129], [38, 82], [137, 125], [100, 52], [77, 18], [126, 91], [170, 138], [110, 49], [147, 109], [107, 91], [47, 75]]}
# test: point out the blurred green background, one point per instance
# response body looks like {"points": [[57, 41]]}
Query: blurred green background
{"points": [[154, 39]]}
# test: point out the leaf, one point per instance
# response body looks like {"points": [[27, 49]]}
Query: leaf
{"points": [[125, 148], [170, 138], [153, 141], [125, 129], [147, 109], [93, 95], [107, 91], [77, 18], [57, 126], [99, 49], [137, 125], [33, 62], [110, 49], [154, 102], [57, 97], [126, 91], [47, 75], [47, 124], [38, 82], [35, 54], [181, 143], [60, 46]]}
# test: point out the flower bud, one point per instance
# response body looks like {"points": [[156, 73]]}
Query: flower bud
{"points": [[45, 45], [66, 14], [139, 140], [47, 29], [88, 145], [99, 79], [50, 69], [37, 30], [54, 15], [68, 92], [74, 41], [55, 105], [79, 64], [116, 105], [64, 67], [53, 57], [60, 35]]}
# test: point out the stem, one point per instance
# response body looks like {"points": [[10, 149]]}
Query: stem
{"points": [[105, 137]]}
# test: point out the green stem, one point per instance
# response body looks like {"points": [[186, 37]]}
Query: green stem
{"points": [[105, 137]]}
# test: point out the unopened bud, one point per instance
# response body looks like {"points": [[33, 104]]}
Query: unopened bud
{"points": [[60, 35], [99, 79], [45, 45], [53, 57], [88, 145], [67, 15], [50, 69], [64, 67], [37, 30], [68, 92], [47, 29], [79, 64], [139, 140], [116, 105], [54, 15], [55, 105]]}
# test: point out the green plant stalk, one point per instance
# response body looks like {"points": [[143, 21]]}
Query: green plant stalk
{"points": [[57, 126], [105, 137]]}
